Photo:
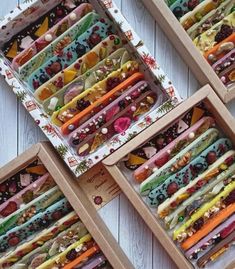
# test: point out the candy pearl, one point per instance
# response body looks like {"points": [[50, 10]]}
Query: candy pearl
{"points": [[146, 167], [169, 151], [191, 135], [133, 108], [71, 127], [223, 79], [104, 131], [155, 169], [211, 57], [48, 37], [73, 16]]}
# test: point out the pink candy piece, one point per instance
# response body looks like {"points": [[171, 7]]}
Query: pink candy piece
{"points": [[112, 113], [122, 124]]}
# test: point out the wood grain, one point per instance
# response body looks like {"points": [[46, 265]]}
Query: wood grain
{"points": [[8, 109], [21, 131]]}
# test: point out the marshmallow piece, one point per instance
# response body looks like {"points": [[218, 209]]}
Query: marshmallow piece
{"points": [[53, 103]]}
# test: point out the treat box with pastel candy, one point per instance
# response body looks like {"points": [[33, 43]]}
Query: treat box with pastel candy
{"points": [[84, 75], [203, 33], [47, 220], [180, 176]]}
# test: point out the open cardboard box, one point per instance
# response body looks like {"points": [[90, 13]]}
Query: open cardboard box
{"points": [[168, 97], [75, 195], [188, 51], [223, 119]]}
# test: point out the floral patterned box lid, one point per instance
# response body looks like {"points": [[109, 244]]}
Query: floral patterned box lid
{"points": [[24, 14]]}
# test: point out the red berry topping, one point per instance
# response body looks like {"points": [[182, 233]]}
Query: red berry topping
{"points": [[230, 199], [192, 4], [56, 215], [95, 28], [77, 66], [172, 188], [163, 160], [112, 83], [48, 71], [94, 39], [228, 230], [174, 204], [198, 224], [59, 12], [35, 84], [41, 45], [3, 187], [211, 157], [229, 161], [13, 241], [225, 31], [56, 67], [9, 209], [191, 190], [200, 183]]}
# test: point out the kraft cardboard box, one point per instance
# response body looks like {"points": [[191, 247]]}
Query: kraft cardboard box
{"points": [[114, 164], [46, 156], [188, 51]]}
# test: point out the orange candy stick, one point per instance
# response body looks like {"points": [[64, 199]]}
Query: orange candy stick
{"points": [[86, 255], [105, 100], [217, 50], [209, 226]]}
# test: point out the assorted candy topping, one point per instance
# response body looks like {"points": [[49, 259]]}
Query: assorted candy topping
{"points": [[77, 65], [189, 181], [210, 24], [24, 39], [44, 231]]}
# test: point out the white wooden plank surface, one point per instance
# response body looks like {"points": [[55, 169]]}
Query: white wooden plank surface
{"points": [[19, 132]]}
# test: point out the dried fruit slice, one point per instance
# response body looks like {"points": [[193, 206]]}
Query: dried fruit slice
{"points": [[197, 114], [135, 160], [38, 170], [98, 140], [69, 76], [12, 53], [92, 59], [9, 209], [43, 28]]}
